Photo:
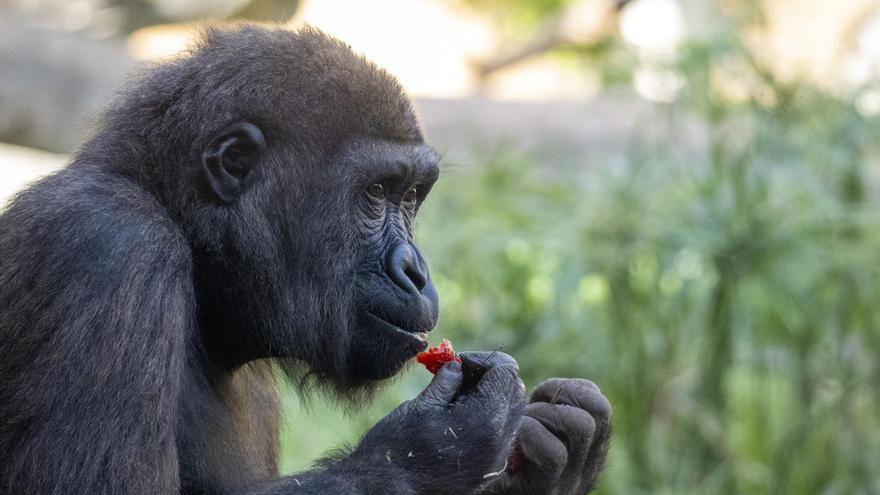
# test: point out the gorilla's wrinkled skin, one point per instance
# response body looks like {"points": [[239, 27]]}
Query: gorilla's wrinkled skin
{"points": [[251, 202]]}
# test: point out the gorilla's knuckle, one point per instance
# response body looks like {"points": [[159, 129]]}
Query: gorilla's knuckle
{"points": [[541, 411], [579, 424], [595, 403], [583, 383], [545, 384], [541, 447]]}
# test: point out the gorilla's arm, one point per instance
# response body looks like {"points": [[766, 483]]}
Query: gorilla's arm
{"points": [[563, 440], [347, 476], [453, 438], [95, 312]]}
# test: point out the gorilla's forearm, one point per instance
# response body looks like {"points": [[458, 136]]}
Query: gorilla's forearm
{"points": [[348, 476], [444, 441]]}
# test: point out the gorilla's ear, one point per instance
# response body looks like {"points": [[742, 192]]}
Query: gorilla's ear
{"points": [[230, 158]]}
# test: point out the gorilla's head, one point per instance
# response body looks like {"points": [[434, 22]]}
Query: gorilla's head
{"points": [[297, 169]]}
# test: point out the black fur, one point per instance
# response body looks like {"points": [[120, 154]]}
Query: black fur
{"points": [[247, 204]]}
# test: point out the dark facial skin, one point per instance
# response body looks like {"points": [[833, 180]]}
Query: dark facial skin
{"points": [[248, 207], [395, 300]]}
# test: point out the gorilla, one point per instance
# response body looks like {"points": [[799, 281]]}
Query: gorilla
{"points": [[245, 208]]}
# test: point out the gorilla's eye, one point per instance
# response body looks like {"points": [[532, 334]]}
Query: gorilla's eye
{"points": [[377, 191], [410, 196]]}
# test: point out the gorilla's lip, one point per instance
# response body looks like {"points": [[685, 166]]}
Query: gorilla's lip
{"points": [[420, 337]]}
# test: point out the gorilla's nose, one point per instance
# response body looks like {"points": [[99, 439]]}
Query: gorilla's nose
{"points": [[406, 268]]}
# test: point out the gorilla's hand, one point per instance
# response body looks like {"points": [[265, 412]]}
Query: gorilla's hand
{"points": [[458, 432], [563, 440]]}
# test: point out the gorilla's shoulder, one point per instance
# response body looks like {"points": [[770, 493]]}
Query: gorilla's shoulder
{"points": [[82, 222]]}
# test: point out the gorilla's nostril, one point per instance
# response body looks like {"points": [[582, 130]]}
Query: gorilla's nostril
{"points": [[405, 269], [416, 276]]}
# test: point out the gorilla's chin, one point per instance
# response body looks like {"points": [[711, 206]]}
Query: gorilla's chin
{"points": [[379, 349]]}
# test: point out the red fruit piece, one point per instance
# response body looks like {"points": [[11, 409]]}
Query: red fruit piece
{"points": [[435, 357]]}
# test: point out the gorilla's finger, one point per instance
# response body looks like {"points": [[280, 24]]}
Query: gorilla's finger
{"points": [[443, 387], [552, 388], [598, 453], [544, 460], [488, 360], [576, 392], [575, 427], [545, 455], [501, 383]]}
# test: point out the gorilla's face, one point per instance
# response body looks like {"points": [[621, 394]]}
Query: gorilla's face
{"points": [[317, 255], [395, 303], [355, 286]]}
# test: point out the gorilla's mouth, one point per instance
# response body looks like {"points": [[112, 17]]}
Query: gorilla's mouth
{"points": [[419, 338]]}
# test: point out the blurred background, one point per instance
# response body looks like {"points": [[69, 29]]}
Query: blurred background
{"points": [[678, 199]]}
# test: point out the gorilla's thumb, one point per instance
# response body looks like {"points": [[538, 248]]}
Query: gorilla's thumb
{"points": [[443, 387]]}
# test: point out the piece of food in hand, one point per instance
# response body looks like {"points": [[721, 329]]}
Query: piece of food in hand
{"points": [[435, 357]]}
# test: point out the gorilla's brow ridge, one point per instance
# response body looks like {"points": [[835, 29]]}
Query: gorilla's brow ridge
{"points": [[414, 162]]}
